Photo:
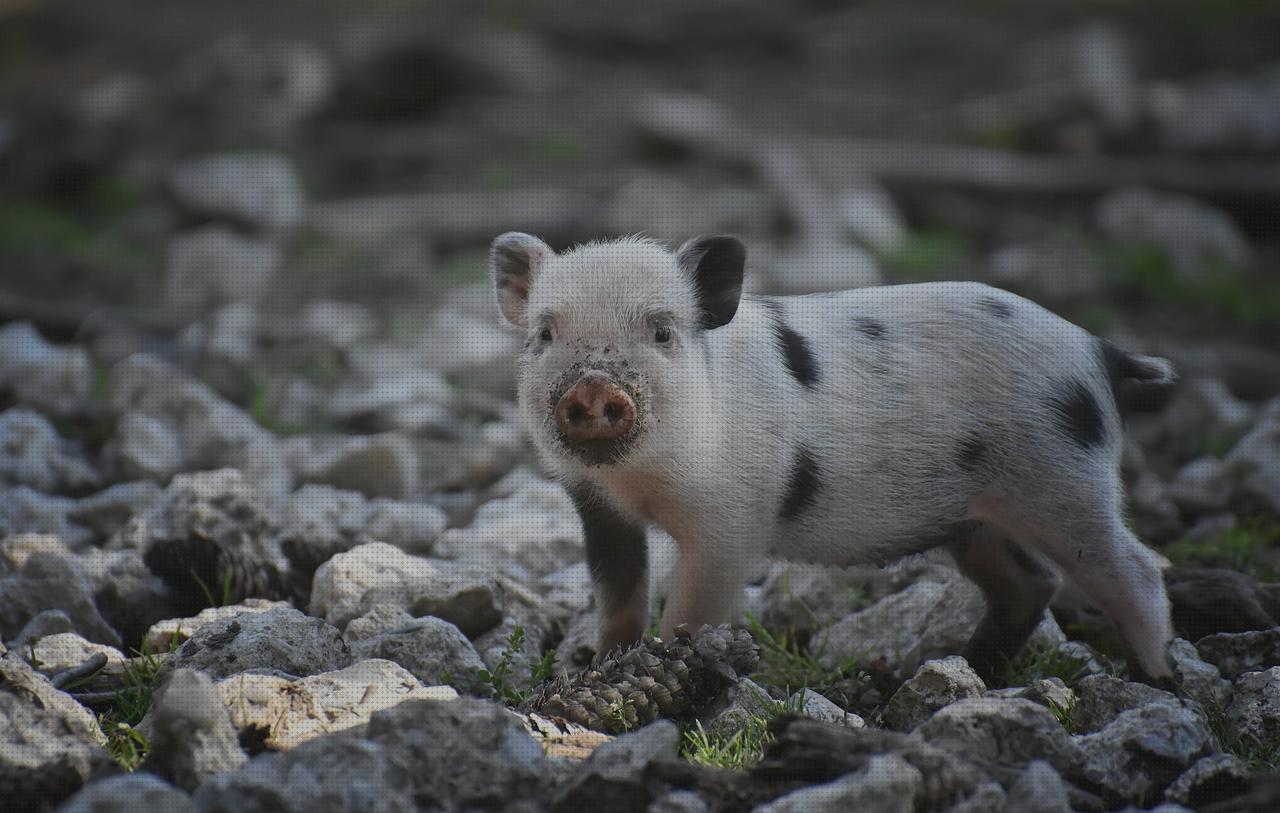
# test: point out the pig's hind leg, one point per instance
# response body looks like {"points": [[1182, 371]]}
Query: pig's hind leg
{"points": [[1016, 586]]}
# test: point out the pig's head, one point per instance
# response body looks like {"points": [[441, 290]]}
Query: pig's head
{"points": [[614, 334]]}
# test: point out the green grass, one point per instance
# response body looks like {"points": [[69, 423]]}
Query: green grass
{"points": [[1258, 757], [1034, 664], [789, 665], [127, 745], [1236, 548], [734, 747], [926, 254], [499, 678]]}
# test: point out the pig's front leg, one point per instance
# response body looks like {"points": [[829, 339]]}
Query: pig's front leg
{"points": [[618, 560]]}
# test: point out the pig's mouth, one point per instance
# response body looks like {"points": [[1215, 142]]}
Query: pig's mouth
{"points": [[595, 417]]}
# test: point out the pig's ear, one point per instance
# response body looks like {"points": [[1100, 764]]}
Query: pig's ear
{"points": [[514, 260], [715, 265]]}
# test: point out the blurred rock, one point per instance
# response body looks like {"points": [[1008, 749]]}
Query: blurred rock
{"points": [[192, 737], [812, 267], [1053, 271], [1237, 653], [870, 216], [168, 634], [32, 454], [279, 640], [49, 581], [667, 207], [1007, 732], [1051, 693], [106, 512], [381, 618], [258, 189], [1190, 232], [935, 684], [384, 465], [336, 324], [1200, 680], [1219, 112], [51, 378], [351, 583], [42, 625], [537, 528], [66, 650], [1143, 750], [888, 782], [478, 353], [815, 706], [414, 401], [928, 619], [1038, 790], [1211, 600], [128, 793], [1100, 699], [148, 447], [432, 650], [284, 713], [613, 777], [1202, 486], [1213, 778], [1254, 463], [214, 265], [1254, 713]]}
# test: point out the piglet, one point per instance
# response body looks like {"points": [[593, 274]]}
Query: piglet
{"points": [[846, 427]]}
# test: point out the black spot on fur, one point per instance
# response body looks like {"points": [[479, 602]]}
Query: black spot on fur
{"points": [[799, 359], [973, 453], [803, 485], [992, 305], [870, 327], [1078, 414]]}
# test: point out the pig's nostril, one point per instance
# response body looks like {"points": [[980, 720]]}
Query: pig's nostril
{"points": [[613, 412], [576, 414]]}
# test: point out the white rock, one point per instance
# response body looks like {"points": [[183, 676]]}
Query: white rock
{"points": [[214, 265], [49, 377], [259, 188]]}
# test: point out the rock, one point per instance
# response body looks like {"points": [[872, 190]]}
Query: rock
{"points": [[130, 597], [1056, 270], [1254, 463], [333, 521], [1219, 112], [1038, 789], [49, 581], [990, 731], [285, 713], [888, 782], [211, 537], [869, 215], [43, 624], [612, 778], [384, 465], [1253, 715], [350, 584], [65, 650], [1202, 486], [1201, 681], [537, 527], [1237, 653], [148, 447], [1212, 600], [211, 431], [820, 266], [668, 205], [1143, 750], [928, 619], [106, 512], [129, 793], [1051, 693], [254, 188], [736, 706], [800, 595], [1210, 779], [214, 265], [32, 454], [49, 744], [468, 348], [169, 633], [680, 801], [24, 511], [1192, 234], [935, 684], [1100, 699], [280, 640], [432, 650], [192, 737], [413, 400], [53, 379], [815, 706]]}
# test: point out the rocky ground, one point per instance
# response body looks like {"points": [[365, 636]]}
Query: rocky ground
{"points": [[270, 538]]}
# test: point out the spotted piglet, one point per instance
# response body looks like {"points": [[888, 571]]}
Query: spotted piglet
{"points": [[856, 426]]}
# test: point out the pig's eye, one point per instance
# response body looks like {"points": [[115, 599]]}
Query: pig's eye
{"points": [[545, 334], [662, 334]]}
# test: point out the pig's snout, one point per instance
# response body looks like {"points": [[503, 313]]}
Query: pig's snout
{"points": [[595, 411]]}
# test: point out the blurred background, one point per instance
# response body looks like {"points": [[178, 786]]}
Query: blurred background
{"points": [[286, 206]]}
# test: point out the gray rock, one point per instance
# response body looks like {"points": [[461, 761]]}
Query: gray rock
{"points": [[49, 581], [42, 625], [1209, 779], [432, 650], [49, 744], [281, 640], [1208, 600], [817, 707], [1202, 486], [1055, 270], [214, 265], [25, 511], [1191, 233], [1143, 750], [1100, 699], [350, 584], [1038, 789], [928, 619], [737, 705], [612, 778], [64, 650], [169, 633], [888, 782], [53, 379], [935, 684], [381, 618], [1219, 111], [333, 521], [986, 796], [106, 512], [680, 801], [820, 265], [801, 595], [999, 732], [1254, 713], [192, 737], [1201, 681], [384, 465], [283, 713], [129, 793], [1051, 693], [1254, 463], [537, 527], [1235, 653], [32, 454], [256, 188], [148, 447]]}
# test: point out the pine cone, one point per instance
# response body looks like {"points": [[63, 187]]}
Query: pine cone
{"points": [[629, 688]]}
